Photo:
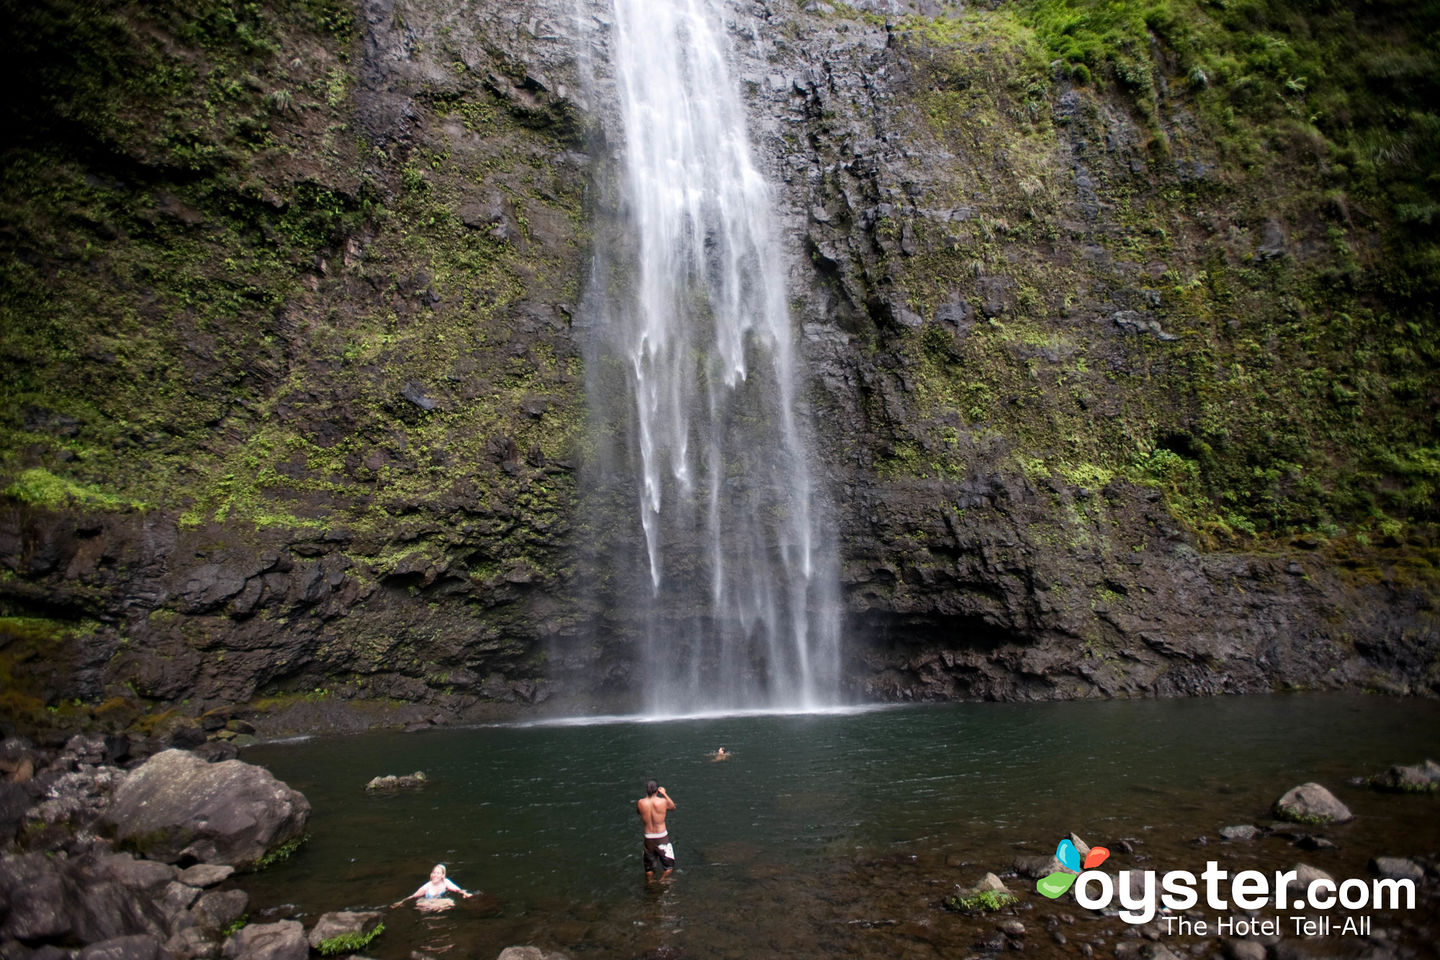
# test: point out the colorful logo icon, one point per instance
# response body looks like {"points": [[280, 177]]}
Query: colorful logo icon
{"points": [[1055, 884]]}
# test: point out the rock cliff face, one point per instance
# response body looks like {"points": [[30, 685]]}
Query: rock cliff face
{"points": [[1119, 375]]}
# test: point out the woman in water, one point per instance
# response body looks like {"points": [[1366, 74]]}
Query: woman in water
{"points": [[431, 895]]}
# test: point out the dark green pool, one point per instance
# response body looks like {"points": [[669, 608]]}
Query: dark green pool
{"points": [[825, 835]]}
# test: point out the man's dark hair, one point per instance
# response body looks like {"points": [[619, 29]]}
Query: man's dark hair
{"points": [[650, 788]]}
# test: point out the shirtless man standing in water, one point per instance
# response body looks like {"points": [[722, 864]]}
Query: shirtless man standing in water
{"points": [[659, 851]]}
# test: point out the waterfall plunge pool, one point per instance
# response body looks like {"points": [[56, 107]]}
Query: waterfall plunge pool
{"points": [[836, 834]]}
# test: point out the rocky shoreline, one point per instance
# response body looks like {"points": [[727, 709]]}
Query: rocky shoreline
{"points": [[128, 849], [120, 848]]}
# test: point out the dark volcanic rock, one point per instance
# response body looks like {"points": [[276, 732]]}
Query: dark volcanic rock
{"points": [[178, 807]]}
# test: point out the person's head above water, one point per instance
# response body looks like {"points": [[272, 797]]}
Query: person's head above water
{"points": [[651, 787], [437, 872]]}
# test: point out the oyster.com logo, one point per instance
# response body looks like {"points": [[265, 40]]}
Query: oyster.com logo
{"points": [[1291, 896], [1055, 884]]}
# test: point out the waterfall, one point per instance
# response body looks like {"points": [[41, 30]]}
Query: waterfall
{"points": [[734, 585]]}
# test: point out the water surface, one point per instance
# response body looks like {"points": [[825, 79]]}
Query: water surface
{"points": [[824, 835]]}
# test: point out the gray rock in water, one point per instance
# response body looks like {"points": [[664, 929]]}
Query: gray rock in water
{"points": [[176, 805], [1036, 867], [1304, 876], [393, 782], [529, 953], [1310, 842], [1135, 950], [990, 893], [1397, 868], [1419, 778], [991, 883], [1311, 803], [341, 924], [1241, 832], [1244, 950], [282, 940]]}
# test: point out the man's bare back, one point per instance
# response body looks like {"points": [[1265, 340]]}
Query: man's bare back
{"points": [[652, 810]]}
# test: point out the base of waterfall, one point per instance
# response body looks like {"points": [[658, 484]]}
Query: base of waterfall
{"points": [[846, 710]]}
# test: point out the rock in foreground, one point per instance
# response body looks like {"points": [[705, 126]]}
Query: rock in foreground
{"points": [[177, 808]]}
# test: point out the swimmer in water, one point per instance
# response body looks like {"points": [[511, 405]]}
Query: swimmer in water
{"points": [[431, 895]]}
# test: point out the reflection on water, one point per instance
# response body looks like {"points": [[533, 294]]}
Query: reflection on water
{"points": [[824, 835]]}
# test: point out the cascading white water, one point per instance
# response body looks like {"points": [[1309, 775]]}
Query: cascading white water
{"points": [[693, 304]]}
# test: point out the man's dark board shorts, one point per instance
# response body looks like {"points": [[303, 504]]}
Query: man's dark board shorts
{"points": [[659, 854]]}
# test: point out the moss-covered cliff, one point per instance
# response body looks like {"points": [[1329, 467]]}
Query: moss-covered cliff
{"points": [[1120, 319], [1136, 313]]}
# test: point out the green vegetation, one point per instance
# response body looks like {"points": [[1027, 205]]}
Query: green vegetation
{"points": [[986, 901], [348, 942], [182, 324], [40, 487], [234, 926], [281, 852], [1267, 186]]}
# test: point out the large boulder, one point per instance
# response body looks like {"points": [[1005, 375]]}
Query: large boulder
{"points": [[1311, 803], [57, 899], [176, 807]]}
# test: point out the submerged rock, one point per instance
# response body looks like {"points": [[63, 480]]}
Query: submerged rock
{"points": [[393, 782]]}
